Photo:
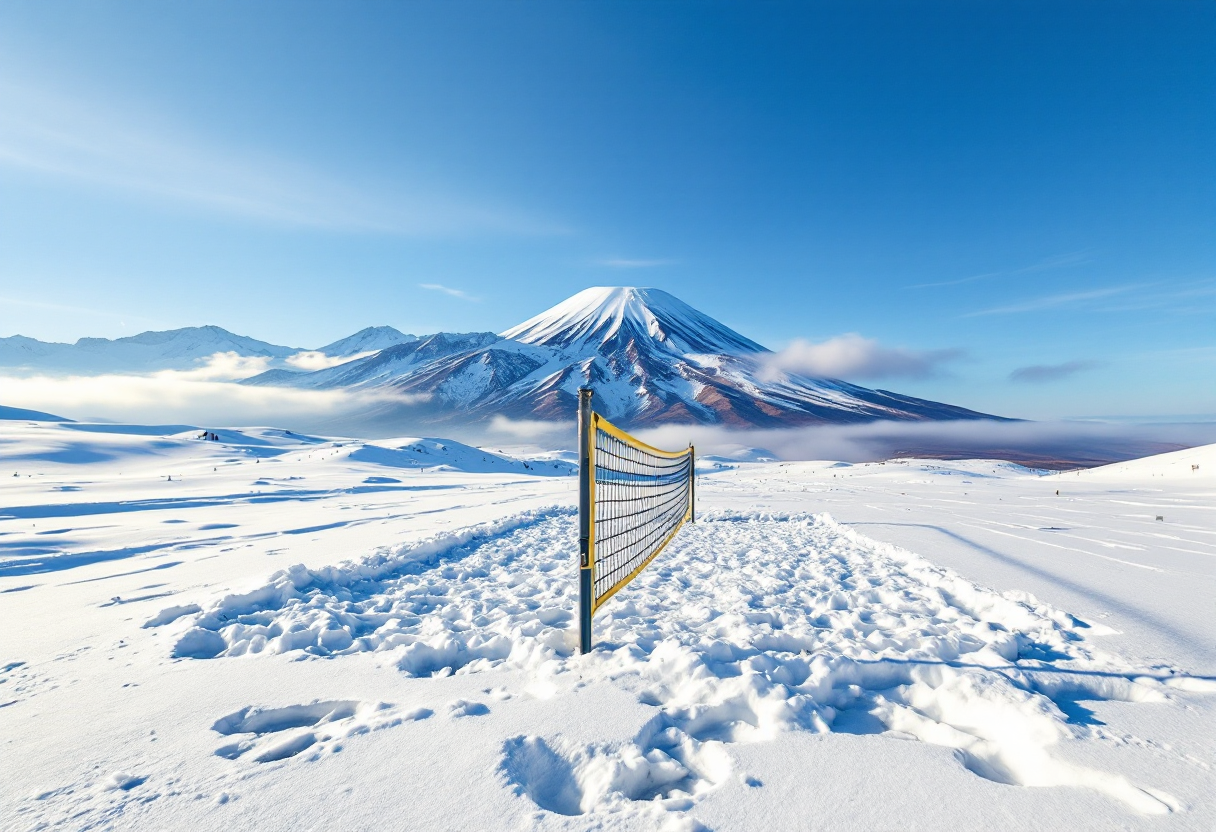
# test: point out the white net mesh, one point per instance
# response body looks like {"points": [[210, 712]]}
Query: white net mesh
{"points": [[641, 499]]}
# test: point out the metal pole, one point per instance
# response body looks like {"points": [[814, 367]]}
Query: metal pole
{"points": [[692, 482], [586, 470]]}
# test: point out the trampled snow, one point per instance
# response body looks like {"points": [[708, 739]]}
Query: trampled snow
{"points": [[283, 631]]}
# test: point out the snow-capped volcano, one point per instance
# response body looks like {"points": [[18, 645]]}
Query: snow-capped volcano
{"points": [[605, 318], [650, 358]]}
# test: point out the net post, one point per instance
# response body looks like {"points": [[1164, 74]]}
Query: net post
{"points": [[692, 483], [586, 470]]}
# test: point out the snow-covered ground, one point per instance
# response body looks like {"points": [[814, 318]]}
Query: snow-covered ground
{"points": [[279, 631]]}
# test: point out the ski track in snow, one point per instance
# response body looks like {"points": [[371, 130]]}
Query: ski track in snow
{"points": [[749, 625]]}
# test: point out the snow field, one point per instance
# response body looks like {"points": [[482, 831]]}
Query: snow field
{"points": [[772, 670], [749, 626]]}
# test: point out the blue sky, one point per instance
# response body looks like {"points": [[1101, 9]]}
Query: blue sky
{"points": [[1013, 205]]}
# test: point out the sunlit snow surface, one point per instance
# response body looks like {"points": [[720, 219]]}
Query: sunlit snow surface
{"points": [[279, 631]]}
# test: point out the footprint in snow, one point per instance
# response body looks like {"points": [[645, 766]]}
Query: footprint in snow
{"points": [[661, 771], [271, 734], [463, 707]]}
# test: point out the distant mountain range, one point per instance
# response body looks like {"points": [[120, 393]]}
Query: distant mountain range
{"points": [[372, 339], [175, 349], [651, 359], [381, 369]]}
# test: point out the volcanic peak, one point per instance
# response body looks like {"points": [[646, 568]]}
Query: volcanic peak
{"points": [[607, 318]]}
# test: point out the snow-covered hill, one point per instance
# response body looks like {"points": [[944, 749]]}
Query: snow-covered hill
{"points": [[278, 631], [1195, 466], [651, 358], [14, 413]]}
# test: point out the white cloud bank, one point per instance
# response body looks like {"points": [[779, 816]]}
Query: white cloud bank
{"points": [[1034, 443], [311, 360], [852, 356], [550, 434], [205, 396], [1047, 444], [220, 366]]}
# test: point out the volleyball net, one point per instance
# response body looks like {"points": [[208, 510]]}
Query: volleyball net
{"points": [[633, 498]]}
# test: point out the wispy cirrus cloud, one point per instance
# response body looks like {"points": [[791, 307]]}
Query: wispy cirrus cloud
{"points": [[852, 356], [125, 148], [634, 263], [448, 290], [1055, 301], [1189, 296], [1040, 373], [1059, 261], [85, 312]]}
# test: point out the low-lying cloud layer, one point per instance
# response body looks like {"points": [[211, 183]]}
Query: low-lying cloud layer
{"points": [[195, 397], [208, 396], [1045, 444], [310, 360], [852, 356], [220, 366], [1041, 444]]}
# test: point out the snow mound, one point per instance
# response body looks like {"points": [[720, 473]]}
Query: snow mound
{"points": [[15, 413], [1194, 465], [449, 455]]}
